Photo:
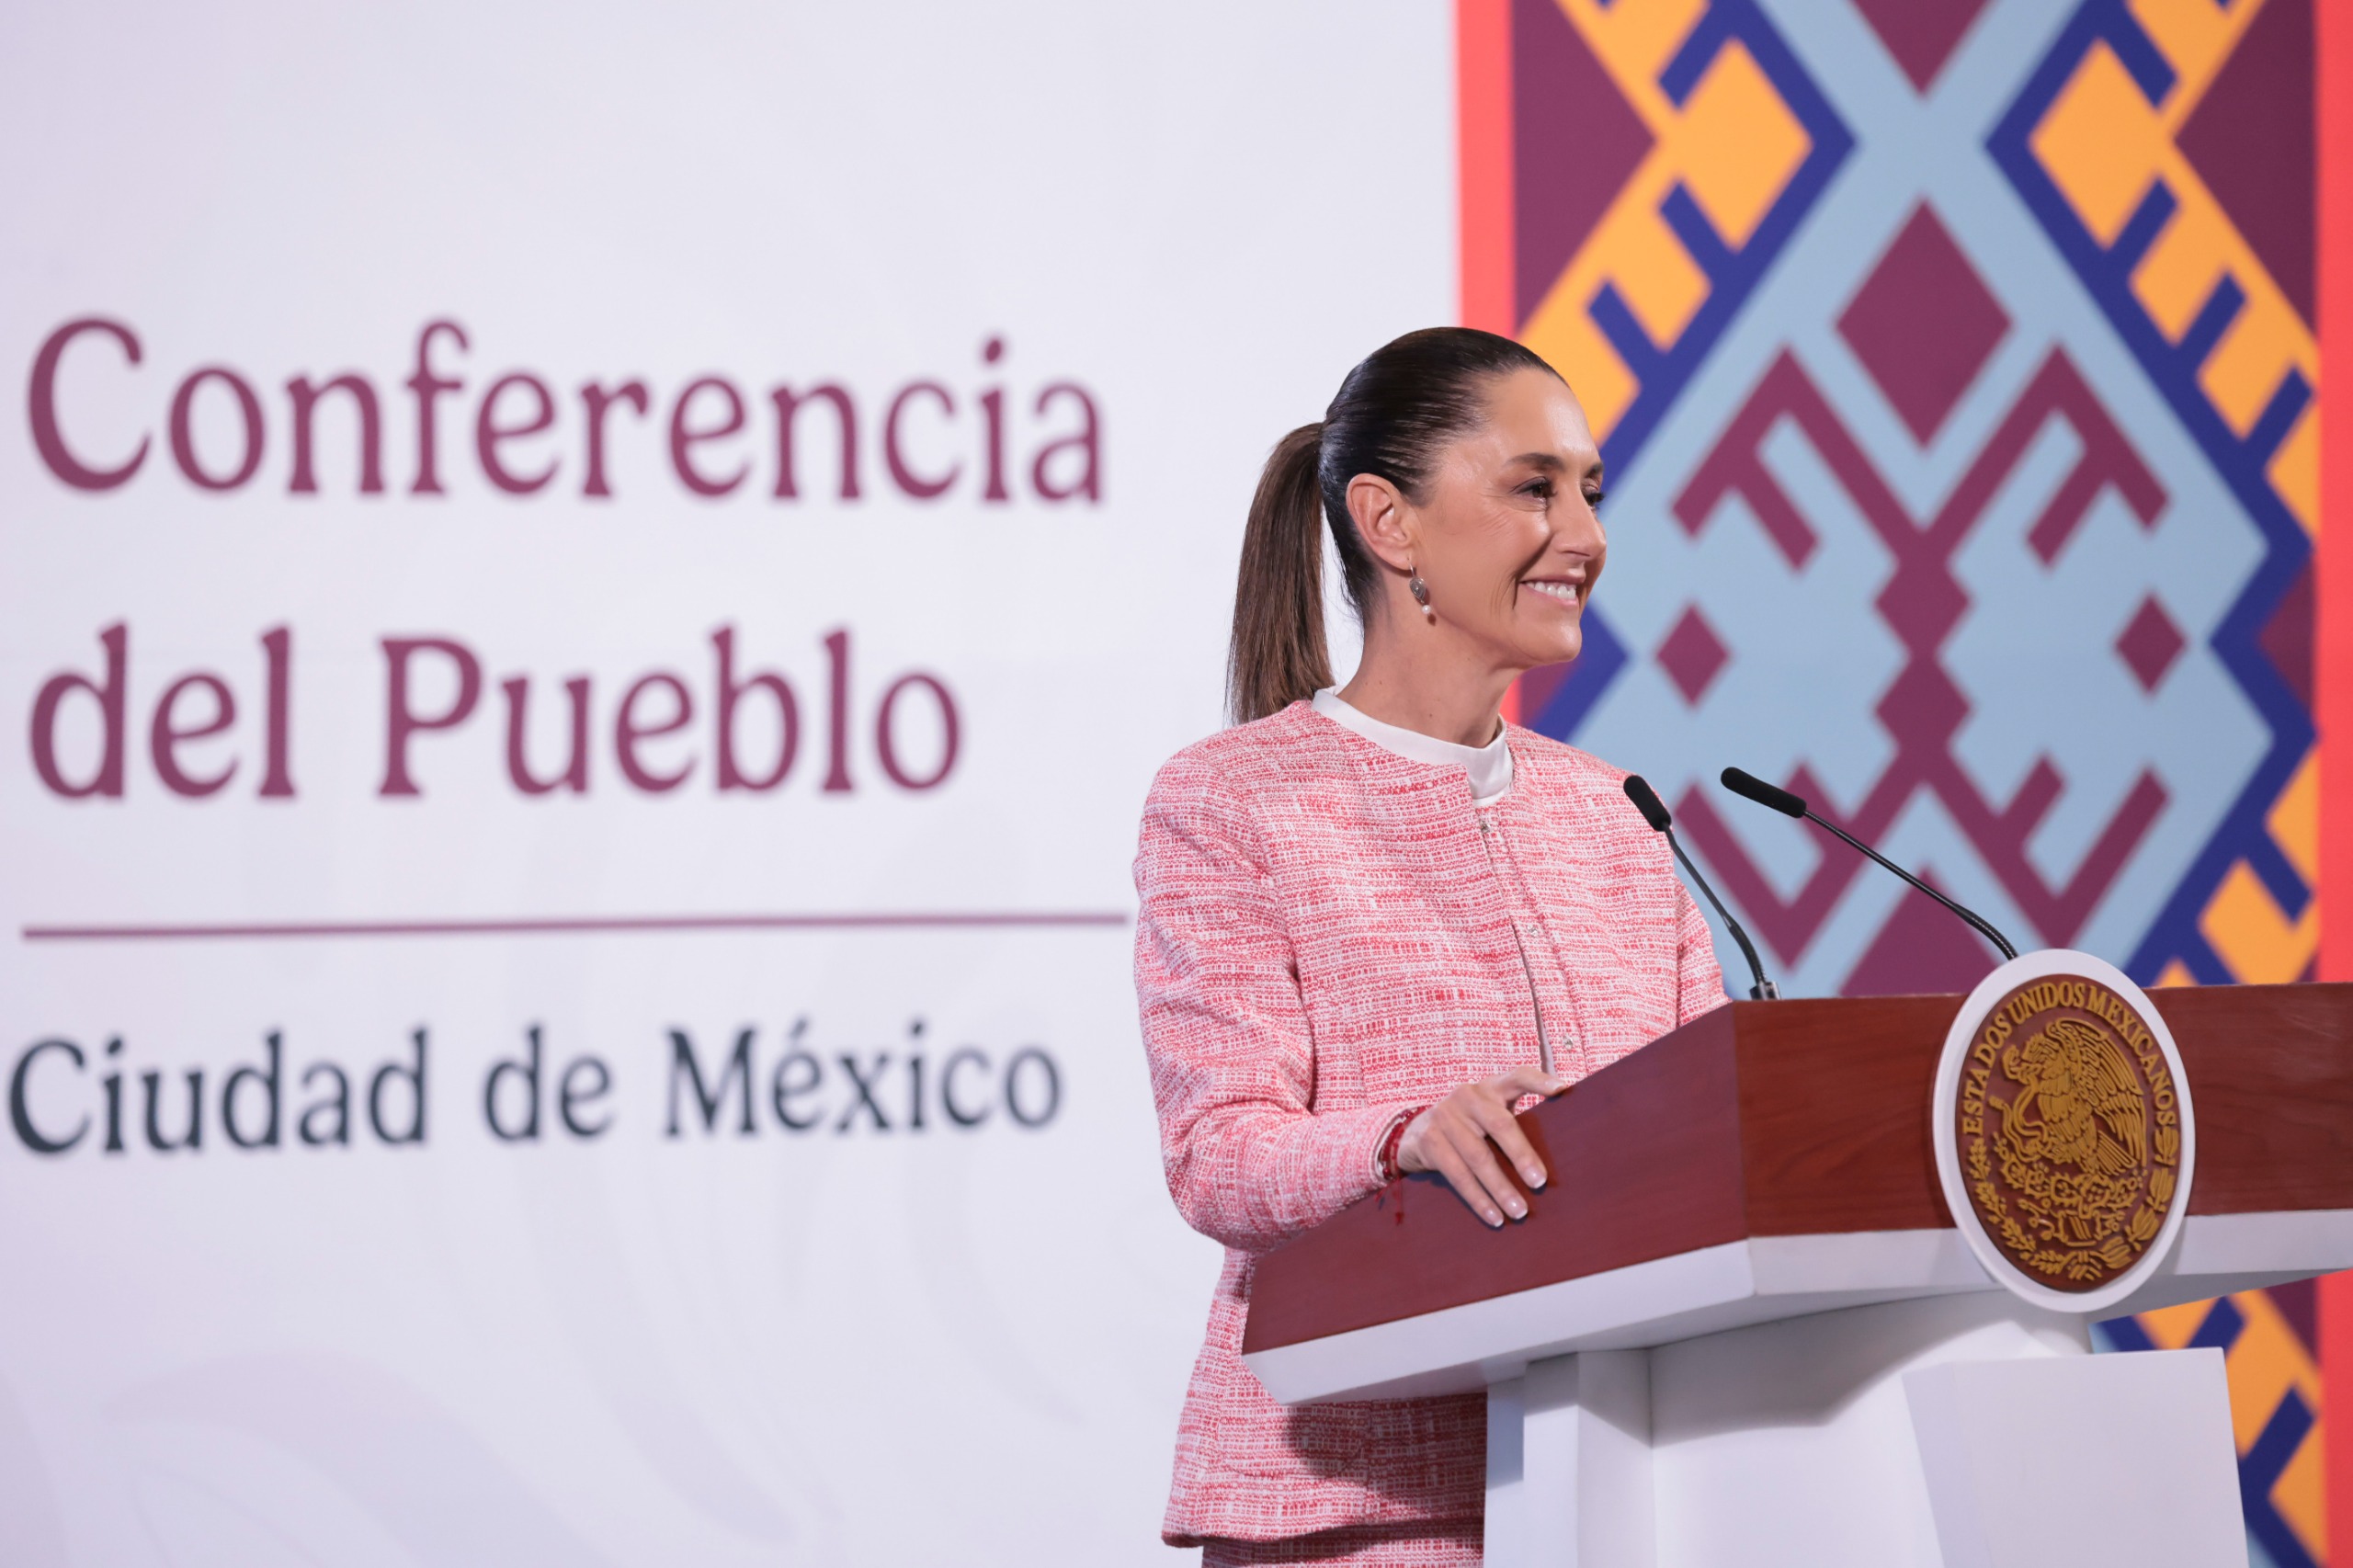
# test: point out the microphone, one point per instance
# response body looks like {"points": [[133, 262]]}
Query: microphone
{"points": [[1750, 788], [1655, 812]]}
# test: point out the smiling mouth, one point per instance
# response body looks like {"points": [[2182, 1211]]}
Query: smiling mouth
{"points": [[1566, 593]]}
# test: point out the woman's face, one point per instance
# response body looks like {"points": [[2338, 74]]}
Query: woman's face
{"points": [[1508, 537]]}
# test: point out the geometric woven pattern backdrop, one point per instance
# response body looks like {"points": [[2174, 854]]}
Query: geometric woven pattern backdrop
{"points": [[1955, 368]]}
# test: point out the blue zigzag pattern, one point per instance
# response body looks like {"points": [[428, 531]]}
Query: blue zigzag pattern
{"points": [[2261, 1466], [2173, 367], [1732, 276]]}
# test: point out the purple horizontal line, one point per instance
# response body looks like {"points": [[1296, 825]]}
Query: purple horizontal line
{"points": [[584, 925]]}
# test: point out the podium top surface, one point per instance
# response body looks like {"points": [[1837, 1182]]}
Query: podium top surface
{"points": [[1800, 1120]]}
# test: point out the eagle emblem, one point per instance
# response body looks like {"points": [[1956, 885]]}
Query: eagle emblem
{"points": [[2079, 1102], [2069, 1132]]}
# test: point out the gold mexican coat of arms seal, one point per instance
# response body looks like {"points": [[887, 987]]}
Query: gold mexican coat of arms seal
{"points": [[2069, 1131]]}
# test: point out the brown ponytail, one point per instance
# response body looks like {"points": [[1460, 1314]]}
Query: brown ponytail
{"points": [[1278, 654], [1393, 412]]}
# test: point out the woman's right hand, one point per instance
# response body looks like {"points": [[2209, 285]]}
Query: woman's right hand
{"points": [[1458, 1138]]}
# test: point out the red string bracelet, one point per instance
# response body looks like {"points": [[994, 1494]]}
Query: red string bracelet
{"points": [[1386, 1163]]}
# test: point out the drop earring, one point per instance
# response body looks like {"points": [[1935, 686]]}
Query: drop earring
{"points": [[1421, 592]]}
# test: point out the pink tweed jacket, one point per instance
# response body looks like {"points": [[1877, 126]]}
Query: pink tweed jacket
{"points": [[1331, 934]]}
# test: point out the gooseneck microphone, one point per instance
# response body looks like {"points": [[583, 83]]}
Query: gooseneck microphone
{"points": [[1655, 812], [1748, 786]]}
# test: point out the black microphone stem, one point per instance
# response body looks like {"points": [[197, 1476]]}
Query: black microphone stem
{"points": [[2000, 942], [1764, 990], [1661, 822]]}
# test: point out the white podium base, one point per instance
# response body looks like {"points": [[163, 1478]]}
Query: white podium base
{"points": [[1967, 1431]]}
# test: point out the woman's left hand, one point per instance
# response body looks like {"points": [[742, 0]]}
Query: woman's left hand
{"points": [[1459, 1137]]}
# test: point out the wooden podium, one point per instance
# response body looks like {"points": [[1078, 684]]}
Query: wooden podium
{"points": [[1740, 1326]]}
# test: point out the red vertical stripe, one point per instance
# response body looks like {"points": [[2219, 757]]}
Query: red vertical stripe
{"points": [[2332, 675], [1482, 103], [2337, 1412], [1482, 152], [2332, 647]]}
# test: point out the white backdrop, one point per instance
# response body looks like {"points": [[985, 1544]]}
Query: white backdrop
{"points": [[865, 1341]]}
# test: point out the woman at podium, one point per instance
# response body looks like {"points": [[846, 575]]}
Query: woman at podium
{"points": [[1376, 919]]}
